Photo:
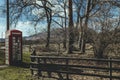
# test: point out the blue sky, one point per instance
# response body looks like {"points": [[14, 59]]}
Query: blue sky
{"points": [[2, 20], [28, 29], [25, 26]]}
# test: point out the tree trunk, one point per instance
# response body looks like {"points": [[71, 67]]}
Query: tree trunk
{"points": [[79, 40], [84, 37], [49, 19], [99, 48], [48, 36], [71, 28], [65, 42], [65, 34], [82, 47], [98, 52], [80, 34]]}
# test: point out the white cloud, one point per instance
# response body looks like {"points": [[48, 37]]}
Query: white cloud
{"points": [[24, 27], [2, 27], [28, 27]]}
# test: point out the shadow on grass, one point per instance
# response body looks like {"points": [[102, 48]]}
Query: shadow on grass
{"points": [[22, 65]]}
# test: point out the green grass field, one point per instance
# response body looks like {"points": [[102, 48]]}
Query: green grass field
{"points": [[15, 73], [26, 57]]}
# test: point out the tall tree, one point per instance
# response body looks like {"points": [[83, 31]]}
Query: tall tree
{"points": [[107, 27], [71, 27], [48, 13], [65, 26], [84, 9], [62, 15]]}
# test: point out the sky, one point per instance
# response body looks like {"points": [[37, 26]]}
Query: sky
{"points": [[3, 22], [25, 26]]}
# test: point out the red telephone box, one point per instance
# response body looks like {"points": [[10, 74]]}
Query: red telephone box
{"points": [[13, 44]]}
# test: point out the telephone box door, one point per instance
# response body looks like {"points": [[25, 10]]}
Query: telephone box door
{"points": [[13, 47]]}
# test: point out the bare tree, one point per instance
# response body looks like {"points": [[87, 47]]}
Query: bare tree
{"points": [[71, 27], [63, 20], [107, 28], [84, 9], [65, 24], [95, 7], [19, 8], [49, 19]]}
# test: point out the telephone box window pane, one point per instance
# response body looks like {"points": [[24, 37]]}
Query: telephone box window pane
{"points": [[13, 38]]}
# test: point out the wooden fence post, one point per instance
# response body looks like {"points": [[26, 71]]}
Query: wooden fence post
{"points": [[32, 72], [38, 66], [33, 54], [110, 66], [67, 75]]}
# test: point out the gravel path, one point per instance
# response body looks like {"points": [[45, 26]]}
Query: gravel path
{"points": [[3, 66]]}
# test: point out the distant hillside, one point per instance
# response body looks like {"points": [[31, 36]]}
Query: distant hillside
{"points": [[56, 35], [38, 36]]}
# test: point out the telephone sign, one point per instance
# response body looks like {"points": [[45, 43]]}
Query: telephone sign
{"points": [[13, 44]]}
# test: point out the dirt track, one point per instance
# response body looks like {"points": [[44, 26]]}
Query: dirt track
{"points": [[3, 66]]}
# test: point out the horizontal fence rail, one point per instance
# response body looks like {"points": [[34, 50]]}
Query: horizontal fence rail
{"points": [[105, 68]]}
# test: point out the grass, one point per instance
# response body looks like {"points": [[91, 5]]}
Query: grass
{"points": [[26, 57], [14, 73]]}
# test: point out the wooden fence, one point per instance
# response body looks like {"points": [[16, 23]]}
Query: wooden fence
{"points": [[104, 68]]}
